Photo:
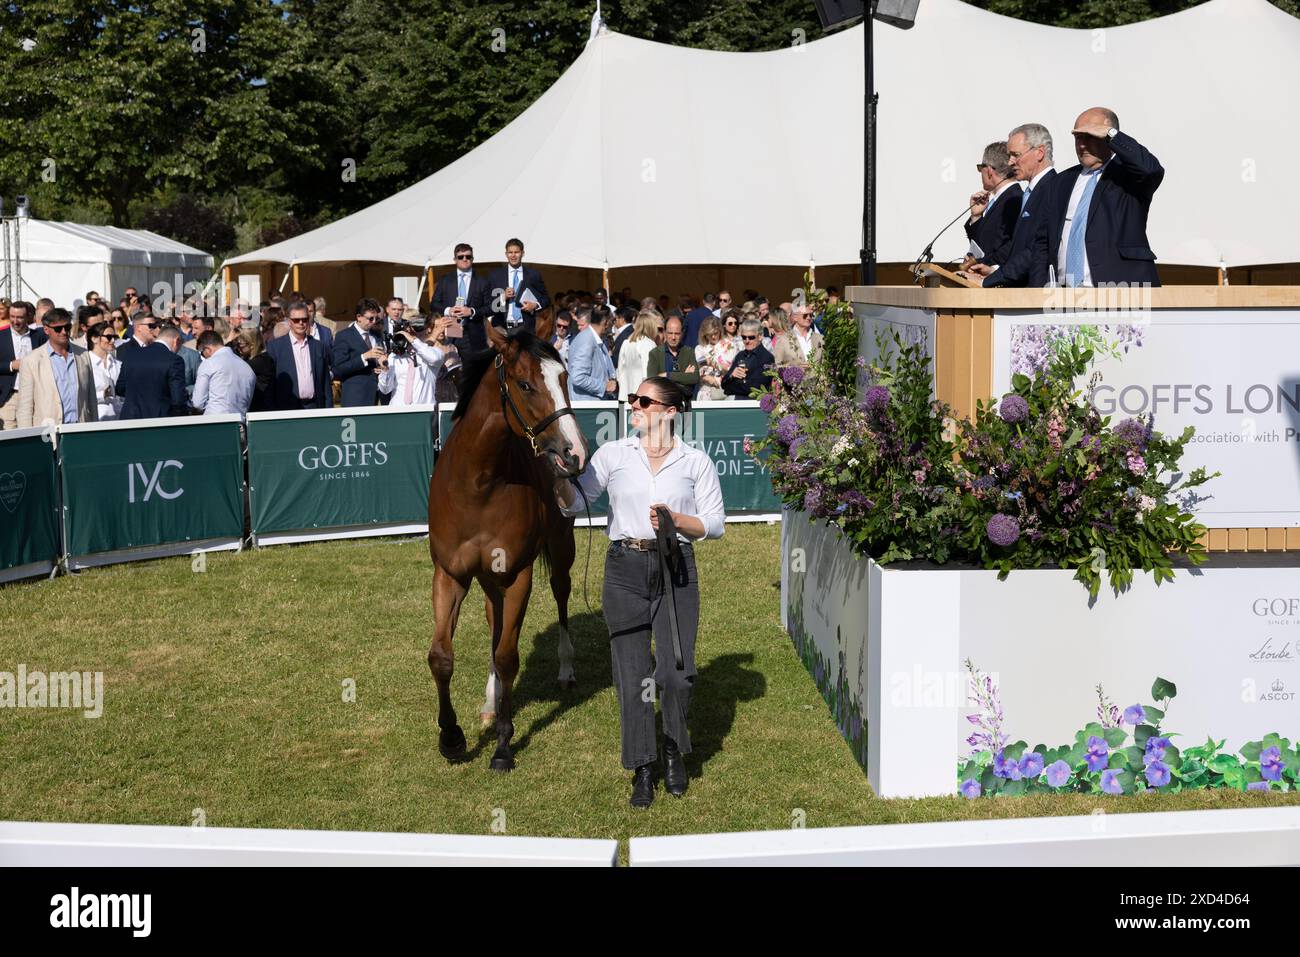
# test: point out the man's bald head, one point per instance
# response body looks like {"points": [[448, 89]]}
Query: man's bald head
{"points": [[1090, 142]]}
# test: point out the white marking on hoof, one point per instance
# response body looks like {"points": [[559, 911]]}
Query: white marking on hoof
{"points": [[491, 698], [566, 678]]}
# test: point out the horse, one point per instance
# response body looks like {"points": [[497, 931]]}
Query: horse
{"points": [[493, 509]]}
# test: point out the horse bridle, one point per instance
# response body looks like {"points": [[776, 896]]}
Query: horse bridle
{"points": [[531, 432]]}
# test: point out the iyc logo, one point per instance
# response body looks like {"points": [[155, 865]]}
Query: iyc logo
{"points": [[150, 481]]}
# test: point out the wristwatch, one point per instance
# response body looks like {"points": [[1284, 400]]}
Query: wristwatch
{"points": [[1112, 133]]}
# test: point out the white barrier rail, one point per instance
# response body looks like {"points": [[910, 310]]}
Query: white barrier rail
{"points": [[1223, 838], [32, 844]]}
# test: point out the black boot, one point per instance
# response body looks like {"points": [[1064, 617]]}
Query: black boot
{"points": [[674, 769], [643, 786]]}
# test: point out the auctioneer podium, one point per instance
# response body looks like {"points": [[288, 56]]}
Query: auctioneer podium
{"points": [[1225, 359]]}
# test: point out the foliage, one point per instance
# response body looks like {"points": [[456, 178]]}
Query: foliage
{"points": [[839, 328], [1107, 758], [1039, 478]]}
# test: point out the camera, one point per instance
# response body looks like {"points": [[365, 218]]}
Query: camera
{"points": [[397, 345]]}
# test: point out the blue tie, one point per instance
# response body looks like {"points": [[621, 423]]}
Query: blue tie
{"points": [[1024, 200], [1074, 252], [515, 314], [463, 293]]}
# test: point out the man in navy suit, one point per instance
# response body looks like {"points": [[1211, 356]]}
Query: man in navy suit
{"points": [[1096, 228], [19, 340], [1029, 150], [302, 377], [995, 210], [463, 294], [508, 307], [359, 357], [152, 377]]}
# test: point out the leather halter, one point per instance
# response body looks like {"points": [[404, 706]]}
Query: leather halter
{"points": [[531, 432]]}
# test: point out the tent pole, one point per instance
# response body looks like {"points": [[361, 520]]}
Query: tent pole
{"points": [[225, 285], [604, 278], [869, 141], [295, 277], [428, 279]]}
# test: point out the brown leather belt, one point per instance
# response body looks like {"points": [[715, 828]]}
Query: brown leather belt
{"points": [[639, 544]]}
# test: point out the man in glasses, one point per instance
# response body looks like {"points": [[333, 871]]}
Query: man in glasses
{"points": [[58, 381], [464, 296], [749, 370], [563, 330], [360, 356], [152, 379], [995, 209], [302, 370], [724, 302], [1029, 151]]}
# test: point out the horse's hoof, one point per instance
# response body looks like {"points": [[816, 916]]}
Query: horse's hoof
{"points": [[486, 719], [451, 743], [568, 684], [502, 762]]}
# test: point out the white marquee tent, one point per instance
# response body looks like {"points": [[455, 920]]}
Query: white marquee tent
{"points": [[64, 261], [644, 153]]}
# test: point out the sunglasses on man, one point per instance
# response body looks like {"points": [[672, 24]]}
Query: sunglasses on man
{"points": [[465, 256], [63, 327]]}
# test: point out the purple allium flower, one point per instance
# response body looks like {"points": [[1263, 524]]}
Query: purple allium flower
{"points": [[792, 375], [1110, 782], [1134, 714], [1098, 753], [767, 402], [1271, 763], [1004, 767], [1257, 786], [787, 429], [1031, 765], [1131, 432], [1136, 464], [1013, 408], [1058, 775], [970, 789], [877, 397], [1157, 774], [1002, 530]]}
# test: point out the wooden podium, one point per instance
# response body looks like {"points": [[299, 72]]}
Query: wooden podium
{"points": [[932, 275], [963, 322]]}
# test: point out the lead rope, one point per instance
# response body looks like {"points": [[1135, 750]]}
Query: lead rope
{"points": [[591, 529]]}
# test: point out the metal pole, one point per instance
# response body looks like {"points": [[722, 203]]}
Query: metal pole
{"points": [[869, 158]]}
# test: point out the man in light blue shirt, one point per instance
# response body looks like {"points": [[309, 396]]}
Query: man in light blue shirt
{"points": [[225, 382], [591, 370]]}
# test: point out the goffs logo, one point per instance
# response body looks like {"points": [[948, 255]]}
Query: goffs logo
{"points": [[151, 482]]}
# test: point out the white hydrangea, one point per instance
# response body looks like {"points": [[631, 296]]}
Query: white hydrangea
{"points": [[841, 446]]}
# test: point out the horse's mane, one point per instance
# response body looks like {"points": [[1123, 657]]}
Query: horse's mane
{"points": [[474, 368]]}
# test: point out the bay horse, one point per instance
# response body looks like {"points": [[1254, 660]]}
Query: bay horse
{"points": [[493, 510]]}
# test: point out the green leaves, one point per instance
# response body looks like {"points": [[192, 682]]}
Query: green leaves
{"points": [[1163, 689]]}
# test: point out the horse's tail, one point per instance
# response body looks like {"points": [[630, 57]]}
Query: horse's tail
{"points": [[547, 562]]}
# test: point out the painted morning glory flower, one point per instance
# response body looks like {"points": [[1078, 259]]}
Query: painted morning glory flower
{"points": [[1134, 714], [1058, 775], [1257, 786], [970, 789], [1098, 753], [1271, 763], [1004, 767], [1031, 765], [1110, 782], [1157, 774], [1155, 749]]}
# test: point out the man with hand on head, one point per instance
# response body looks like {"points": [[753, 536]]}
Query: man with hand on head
{"points": [[1097, 220]]}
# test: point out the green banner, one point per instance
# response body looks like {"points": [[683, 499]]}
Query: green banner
{"points": [[29, 507], [340, 469], [134, 487], [599, 424]]}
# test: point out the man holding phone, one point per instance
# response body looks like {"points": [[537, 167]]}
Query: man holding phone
{"points": [[464, 296]]}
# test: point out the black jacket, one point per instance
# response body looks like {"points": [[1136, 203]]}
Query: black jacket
{"points": [[8, 378], [1026, 264], [757, 362], [997, 226]]}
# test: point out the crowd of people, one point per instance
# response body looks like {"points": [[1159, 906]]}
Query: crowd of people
{"points": [[130, 361]]}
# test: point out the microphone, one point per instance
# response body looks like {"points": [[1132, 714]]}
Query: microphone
{"points": [[927, 254]]}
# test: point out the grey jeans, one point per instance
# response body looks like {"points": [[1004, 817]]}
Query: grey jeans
{"points": [[635, 605]]}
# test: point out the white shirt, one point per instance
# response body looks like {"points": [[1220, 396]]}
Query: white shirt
{"points": [[468, 276], [22, 349], [424, 365], [1076, 194], [224, 383], [1005, 185], [687, 482], [633, 362], [106, 371]]}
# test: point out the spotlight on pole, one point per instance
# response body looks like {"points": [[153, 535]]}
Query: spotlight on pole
{"points": [[898, 13], [21, 209]]}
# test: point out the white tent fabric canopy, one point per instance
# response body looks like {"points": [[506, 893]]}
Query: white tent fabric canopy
{"points": [[649, 154], [64, 261]]}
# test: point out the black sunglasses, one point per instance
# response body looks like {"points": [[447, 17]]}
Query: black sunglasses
{"points": [[749, 338], [464, 256], [149, 325], [63, 328], [644, 401]]}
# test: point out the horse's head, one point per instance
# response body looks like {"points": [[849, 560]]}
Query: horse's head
{"points": [[535, 394]]}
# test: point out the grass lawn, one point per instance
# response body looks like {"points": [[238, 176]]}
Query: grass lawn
{"points": [[224, 692]]}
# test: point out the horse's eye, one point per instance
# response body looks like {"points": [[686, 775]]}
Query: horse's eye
{"points": [[525, 386]]}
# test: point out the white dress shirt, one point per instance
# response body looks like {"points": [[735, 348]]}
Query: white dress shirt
{"points": [[224, 383], [22, 349], [1076, 194], [106, 371], [415, 373], [467, 275], [687, 483]]}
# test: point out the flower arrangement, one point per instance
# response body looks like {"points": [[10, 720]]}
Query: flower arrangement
{"points": [[1107, 757], [1037, 478]]}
